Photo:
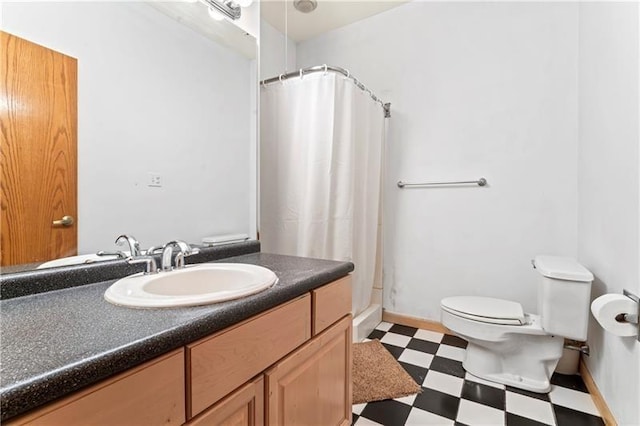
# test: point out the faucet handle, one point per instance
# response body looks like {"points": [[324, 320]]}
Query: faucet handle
{"points": [[119, 254], [194, 250], [183, 246], [181, 255], [153, 249], [149, 261], [184, 249]]}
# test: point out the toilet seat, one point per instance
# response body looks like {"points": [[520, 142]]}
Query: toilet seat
{"points": [[485, 309]]}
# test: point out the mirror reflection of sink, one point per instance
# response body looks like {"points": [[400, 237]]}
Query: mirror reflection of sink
{"points": [[191, 286], [78, 260]]}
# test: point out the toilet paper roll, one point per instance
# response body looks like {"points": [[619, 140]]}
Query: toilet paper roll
{"points": [[605, 309]]}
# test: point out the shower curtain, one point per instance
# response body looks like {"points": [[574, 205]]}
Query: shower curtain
{"points": [[321, 142]]}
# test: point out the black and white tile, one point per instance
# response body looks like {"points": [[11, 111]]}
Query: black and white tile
{"points": [[451, 396]]}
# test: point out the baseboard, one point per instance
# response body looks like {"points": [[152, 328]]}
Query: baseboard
{"points": [[416, 322], [366, 322], [598, 400]]}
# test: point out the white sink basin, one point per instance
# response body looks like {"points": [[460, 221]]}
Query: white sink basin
{"points": [[193, 285]]}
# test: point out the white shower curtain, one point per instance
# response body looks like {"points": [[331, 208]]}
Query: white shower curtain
{"points": [[321, 142]]}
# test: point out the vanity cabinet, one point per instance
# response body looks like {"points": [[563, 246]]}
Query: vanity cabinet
{"points": [[220, 363], [312, 386], [289, 365], [150, 394], [243, 407]]}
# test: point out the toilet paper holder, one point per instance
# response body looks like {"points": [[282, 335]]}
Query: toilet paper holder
{"points": [[630, 317]]}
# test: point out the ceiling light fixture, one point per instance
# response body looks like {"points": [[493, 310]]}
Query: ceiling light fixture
{"points": [[305, 6], [226, 8]]}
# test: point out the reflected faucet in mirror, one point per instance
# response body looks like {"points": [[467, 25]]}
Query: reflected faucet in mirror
{"points": [[102, 255], [118, 254], [134, 248], [130, 240]]}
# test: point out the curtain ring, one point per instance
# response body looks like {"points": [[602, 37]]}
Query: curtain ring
{"points": [[280, 78], [325, 69], [300, 73], [348, 73]]}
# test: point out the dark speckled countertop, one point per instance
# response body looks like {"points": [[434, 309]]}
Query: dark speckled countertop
{"points": [[60, 341]]}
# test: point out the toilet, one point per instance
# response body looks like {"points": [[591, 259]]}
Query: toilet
{"points": [[507, 345]]}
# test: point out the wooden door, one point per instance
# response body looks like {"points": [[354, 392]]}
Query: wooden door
{"points": [[38, 120], [312, 386], [244, 407]]}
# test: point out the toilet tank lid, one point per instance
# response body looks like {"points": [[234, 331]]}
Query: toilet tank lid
{"points": [[487, 307], [562, 268]]}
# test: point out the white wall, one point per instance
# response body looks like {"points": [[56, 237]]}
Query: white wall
{"points": [[608, 173], [477, 89], [277, 52], [153, 96], [250, 19]]}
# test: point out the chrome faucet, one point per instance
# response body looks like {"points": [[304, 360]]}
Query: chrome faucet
{"points": [[134, 245], [167, 253], [153, 249], [149, 261]]}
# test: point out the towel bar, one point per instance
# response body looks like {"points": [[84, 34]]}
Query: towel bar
{"points": [[479, 182]]}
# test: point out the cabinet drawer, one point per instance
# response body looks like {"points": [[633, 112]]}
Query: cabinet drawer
{"points": [[152, 393], [243, 407], [330, 303], [218, 364]]}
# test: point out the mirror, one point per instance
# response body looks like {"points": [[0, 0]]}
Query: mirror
{"points": [[166, 118]]}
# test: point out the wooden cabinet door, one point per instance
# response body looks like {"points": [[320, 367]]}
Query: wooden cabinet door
{"points": [[38, 138], [312, 386], [244, 407]]}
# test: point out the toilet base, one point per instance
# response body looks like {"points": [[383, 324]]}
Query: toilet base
{"points": [[515, 381], [524, 363]]}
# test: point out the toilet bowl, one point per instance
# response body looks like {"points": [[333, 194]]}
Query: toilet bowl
{"points": [[507, 345], [519, 354]]}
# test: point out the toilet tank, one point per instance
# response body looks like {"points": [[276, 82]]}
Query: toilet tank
{"points": [[563, 296]]}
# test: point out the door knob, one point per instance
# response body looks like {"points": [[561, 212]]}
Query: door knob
{"points": [[65, 221]]}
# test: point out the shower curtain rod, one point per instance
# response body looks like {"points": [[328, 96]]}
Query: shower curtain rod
{"points": [[386, 107]]}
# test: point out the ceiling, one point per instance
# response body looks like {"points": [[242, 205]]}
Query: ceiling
{"points": [[329, 14]]}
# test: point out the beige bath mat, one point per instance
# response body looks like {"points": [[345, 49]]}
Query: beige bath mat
{"points": [[377, 375]]}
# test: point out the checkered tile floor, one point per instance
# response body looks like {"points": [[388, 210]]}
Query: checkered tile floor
{"points": [[452, 396]]}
